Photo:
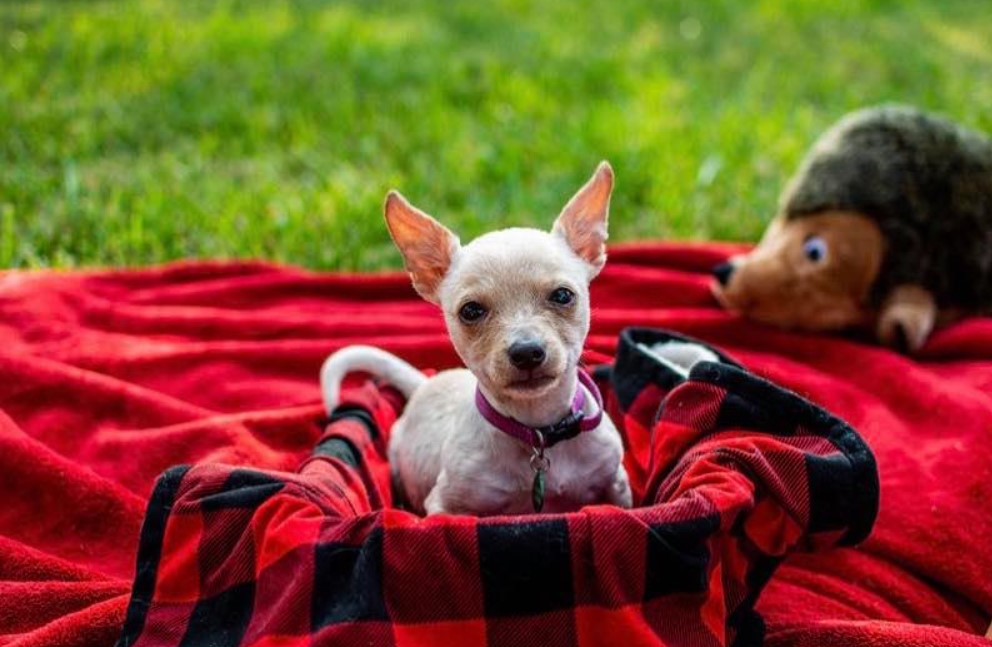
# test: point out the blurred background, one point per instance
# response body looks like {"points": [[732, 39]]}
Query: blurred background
{"points": [[140, 132]]}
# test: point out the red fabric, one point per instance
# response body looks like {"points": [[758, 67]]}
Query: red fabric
{"points": [[109, 378]]}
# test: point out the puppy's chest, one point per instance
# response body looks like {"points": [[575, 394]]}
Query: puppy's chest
{"points": [[565, 496], [574, 478]]}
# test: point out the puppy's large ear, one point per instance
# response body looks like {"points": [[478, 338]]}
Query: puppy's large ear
{"points": [[427, 246], [582, 222]]}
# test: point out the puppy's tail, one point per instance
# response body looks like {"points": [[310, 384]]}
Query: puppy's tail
{"points": [[367, 359]]}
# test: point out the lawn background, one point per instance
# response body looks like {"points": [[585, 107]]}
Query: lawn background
{"points": [[140, 132]]}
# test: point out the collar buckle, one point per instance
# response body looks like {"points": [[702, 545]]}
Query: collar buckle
{"points": [[567, 427]]}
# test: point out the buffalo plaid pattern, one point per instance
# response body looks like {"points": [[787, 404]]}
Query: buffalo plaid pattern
{"points": [[730, 473]]}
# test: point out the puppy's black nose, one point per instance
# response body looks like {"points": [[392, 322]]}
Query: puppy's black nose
{"points": [[526, 355], [722, 272]]}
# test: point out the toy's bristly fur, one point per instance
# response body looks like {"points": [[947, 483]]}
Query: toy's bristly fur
{"points": [[925, 181]]}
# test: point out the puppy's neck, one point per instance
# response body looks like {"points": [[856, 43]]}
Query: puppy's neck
{"points": [[537, 412]]}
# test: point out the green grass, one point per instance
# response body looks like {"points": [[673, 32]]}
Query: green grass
{"points": [[139, 132]]}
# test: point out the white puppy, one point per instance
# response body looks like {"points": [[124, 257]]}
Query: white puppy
{"points": [[519, 430]]}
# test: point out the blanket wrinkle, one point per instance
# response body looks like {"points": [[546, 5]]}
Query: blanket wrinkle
{"points": [[108, 377]]}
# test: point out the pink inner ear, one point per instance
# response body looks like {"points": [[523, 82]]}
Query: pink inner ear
{"points": [[587, 240], [583, 220], [426, 245], [428, 263]]}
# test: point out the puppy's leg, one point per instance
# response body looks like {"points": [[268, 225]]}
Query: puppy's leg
{"points": [[432, 504], [618, 493], [435, 502], [459, 494], [907, 318]]}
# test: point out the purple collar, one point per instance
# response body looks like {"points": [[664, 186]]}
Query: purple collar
{"points": [[544, 437]]}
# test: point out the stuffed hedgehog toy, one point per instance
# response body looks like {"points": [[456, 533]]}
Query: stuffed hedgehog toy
{"points": [[887, 224]]}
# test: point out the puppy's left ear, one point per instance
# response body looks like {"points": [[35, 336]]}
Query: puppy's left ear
{"points": [[583, 221]]}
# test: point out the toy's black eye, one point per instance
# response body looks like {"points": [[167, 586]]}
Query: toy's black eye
{"points": [[815, 249], [562, 296], [472, 312]]}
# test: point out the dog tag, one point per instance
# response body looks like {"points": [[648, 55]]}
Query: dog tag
{"points": [[540, 464], [537, 491]]}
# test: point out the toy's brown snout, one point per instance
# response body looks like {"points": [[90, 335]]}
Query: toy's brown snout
{"points": [[813, 272]]}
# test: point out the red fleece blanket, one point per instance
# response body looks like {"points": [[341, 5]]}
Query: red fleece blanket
{"points": [[107, 379]]}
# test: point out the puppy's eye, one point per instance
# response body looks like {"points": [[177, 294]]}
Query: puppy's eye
{"points": [[815, 249], [562, 296], [472, 312]]}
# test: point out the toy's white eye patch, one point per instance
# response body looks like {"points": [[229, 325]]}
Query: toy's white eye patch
{"points": [[815, 249]]}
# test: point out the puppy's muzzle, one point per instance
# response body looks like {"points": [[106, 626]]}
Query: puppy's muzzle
{"points": [[527, 355]]}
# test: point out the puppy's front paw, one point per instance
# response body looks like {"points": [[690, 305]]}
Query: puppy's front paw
{"points": [[433, 503], [619, 493], [907, 319]]}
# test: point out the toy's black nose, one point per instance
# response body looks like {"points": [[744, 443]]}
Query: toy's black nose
{"points": [[526, 355], [722, 272]]}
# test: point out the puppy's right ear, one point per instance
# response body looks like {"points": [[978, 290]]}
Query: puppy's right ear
{"points": [[427, 246]]}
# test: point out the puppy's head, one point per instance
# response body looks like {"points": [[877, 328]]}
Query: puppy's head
{"points": [[516, 301], [812, 272]]}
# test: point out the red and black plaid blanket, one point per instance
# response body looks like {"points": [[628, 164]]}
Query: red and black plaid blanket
{"points": [[730, 472]]}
